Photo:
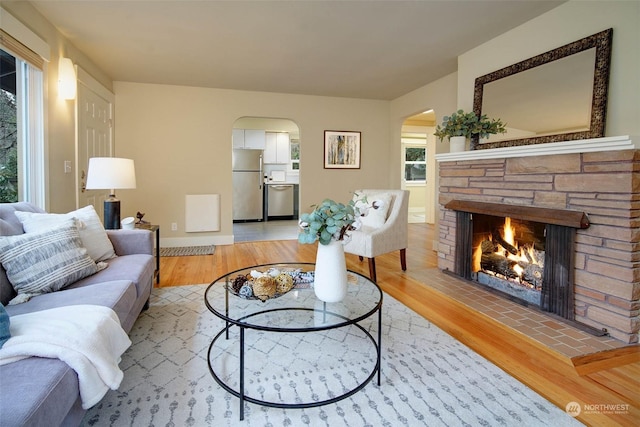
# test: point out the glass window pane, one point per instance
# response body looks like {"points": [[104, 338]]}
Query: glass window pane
{"points": [[8, 131], [415, 172], [413, 154], [295, 151]]}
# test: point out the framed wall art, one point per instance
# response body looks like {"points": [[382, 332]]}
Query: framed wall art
{"points": [[341, 149]]}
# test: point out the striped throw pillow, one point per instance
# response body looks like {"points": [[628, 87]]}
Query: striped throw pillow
{"points": [[38, 263], [94, 237]]}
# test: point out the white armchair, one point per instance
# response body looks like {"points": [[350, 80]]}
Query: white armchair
{"points": [[373, 240]]}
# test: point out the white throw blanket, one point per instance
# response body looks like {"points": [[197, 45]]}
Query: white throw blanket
{"points": [[88, 338]]}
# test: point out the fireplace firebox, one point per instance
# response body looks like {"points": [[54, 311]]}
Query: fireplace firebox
{"points": [[522, 251]]}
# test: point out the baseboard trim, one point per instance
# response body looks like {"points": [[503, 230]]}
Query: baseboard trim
{"points": [[173, 242]]}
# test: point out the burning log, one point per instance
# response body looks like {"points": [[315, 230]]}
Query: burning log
{"points": [[533, 274], [498, 264], [496, 236], [528, 256], [488, 247]]}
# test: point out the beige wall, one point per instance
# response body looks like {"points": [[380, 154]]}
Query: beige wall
{"points": [[565, 24], [439, 95], [180, 138], [417, 197]]}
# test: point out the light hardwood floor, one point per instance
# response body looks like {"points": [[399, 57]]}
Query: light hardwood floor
{"points": [[607, 378]]}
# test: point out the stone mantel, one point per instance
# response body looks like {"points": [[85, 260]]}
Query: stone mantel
{"points": [[613, 143]]}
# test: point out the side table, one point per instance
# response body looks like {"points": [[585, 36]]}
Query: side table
{"points": [[156, 229]]}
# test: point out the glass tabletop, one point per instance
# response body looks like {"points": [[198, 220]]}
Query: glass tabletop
{"points": [[240, 298]]}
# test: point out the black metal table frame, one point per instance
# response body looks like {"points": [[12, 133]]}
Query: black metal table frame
{"points": [[242, 326]]}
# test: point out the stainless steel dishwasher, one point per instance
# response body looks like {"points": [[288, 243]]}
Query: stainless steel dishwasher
{"points": [[280, 200]]}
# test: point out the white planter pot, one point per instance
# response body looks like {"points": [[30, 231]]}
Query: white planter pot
{"points": [[457, 144], [330, 282]]}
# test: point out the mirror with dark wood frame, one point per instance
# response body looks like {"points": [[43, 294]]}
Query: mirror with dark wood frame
{"points": [[560, 95]]}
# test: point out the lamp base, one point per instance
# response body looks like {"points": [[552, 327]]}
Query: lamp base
{"points": [[112, 214]]}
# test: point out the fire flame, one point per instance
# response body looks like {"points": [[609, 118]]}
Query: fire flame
{"points": [[509, 233]]}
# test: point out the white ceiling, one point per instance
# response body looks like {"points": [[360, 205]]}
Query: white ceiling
{"points": [[360, 49]]}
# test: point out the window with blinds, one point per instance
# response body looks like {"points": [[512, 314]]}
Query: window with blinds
{"points": [[21, 123]]}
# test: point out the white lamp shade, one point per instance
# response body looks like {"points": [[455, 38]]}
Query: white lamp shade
{"points": [[66, 79], [110, 173]]}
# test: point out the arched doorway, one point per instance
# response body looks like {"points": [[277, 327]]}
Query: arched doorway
{"points": [[277, 142], [418, 165]]}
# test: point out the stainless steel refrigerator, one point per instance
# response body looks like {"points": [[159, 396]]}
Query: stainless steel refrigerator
{"points": [[247, 185]]}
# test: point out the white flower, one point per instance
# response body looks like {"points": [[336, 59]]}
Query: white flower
{"points": [[377, 204], [256, 274], [273, 272], [361, 208]]}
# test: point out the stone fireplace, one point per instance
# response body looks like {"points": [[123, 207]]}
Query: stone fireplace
{"points": [[577, 204]]}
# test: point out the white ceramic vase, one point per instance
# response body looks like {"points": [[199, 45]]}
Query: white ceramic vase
{"points": [[457, 144], [330, 281]]}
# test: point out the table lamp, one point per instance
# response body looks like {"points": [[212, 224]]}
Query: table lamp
{"points": [[111, 173]]}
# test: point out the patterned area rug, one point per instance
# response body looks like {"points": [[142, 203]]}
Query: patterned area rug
{"points": [[187, 250], [428, 378]]}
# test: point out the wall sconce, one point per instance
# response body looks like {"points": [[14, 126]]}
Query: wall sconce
{"points": [[66, 79]]}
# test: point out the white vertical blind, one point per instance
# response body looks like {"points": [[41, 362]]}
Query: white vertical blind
{"points": [[35, 192]]}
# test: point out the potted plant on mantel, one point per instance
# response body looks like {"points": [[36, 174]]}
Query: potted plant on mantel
{"points": [[460, 126]]}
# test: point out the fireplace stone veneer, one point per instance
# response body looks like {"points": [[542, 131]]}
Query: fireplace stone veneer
{"points": [[600, 177]]}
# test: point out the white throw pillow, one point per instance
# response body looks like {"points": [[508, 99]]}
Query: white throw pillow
{"points": [[47, 261], [376, 218], [93, 235]]}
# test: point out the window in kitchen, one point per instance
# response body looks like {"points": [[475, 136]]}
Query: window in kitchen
{"points": [[21, 124], [294, 146], [415, 164]]}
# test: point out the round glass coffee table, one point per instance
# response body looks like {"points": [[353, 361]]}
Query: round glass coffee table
{"points": [[288, 349]]}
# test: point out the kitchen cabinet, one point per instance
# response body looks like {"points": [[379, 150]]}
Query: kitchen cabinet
{"points": [[249, 138], [276, 149]]}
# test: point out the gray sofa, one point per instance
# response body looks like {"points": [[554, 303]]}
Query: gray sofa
{"points": [[44, 392]]}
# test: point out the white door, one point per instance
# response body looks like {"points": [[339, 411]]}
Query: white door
{"points": [[94, 109]]}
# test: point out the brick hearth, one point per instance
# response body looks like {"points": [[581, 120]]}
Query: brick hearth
{"points": [[600, 177]]}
